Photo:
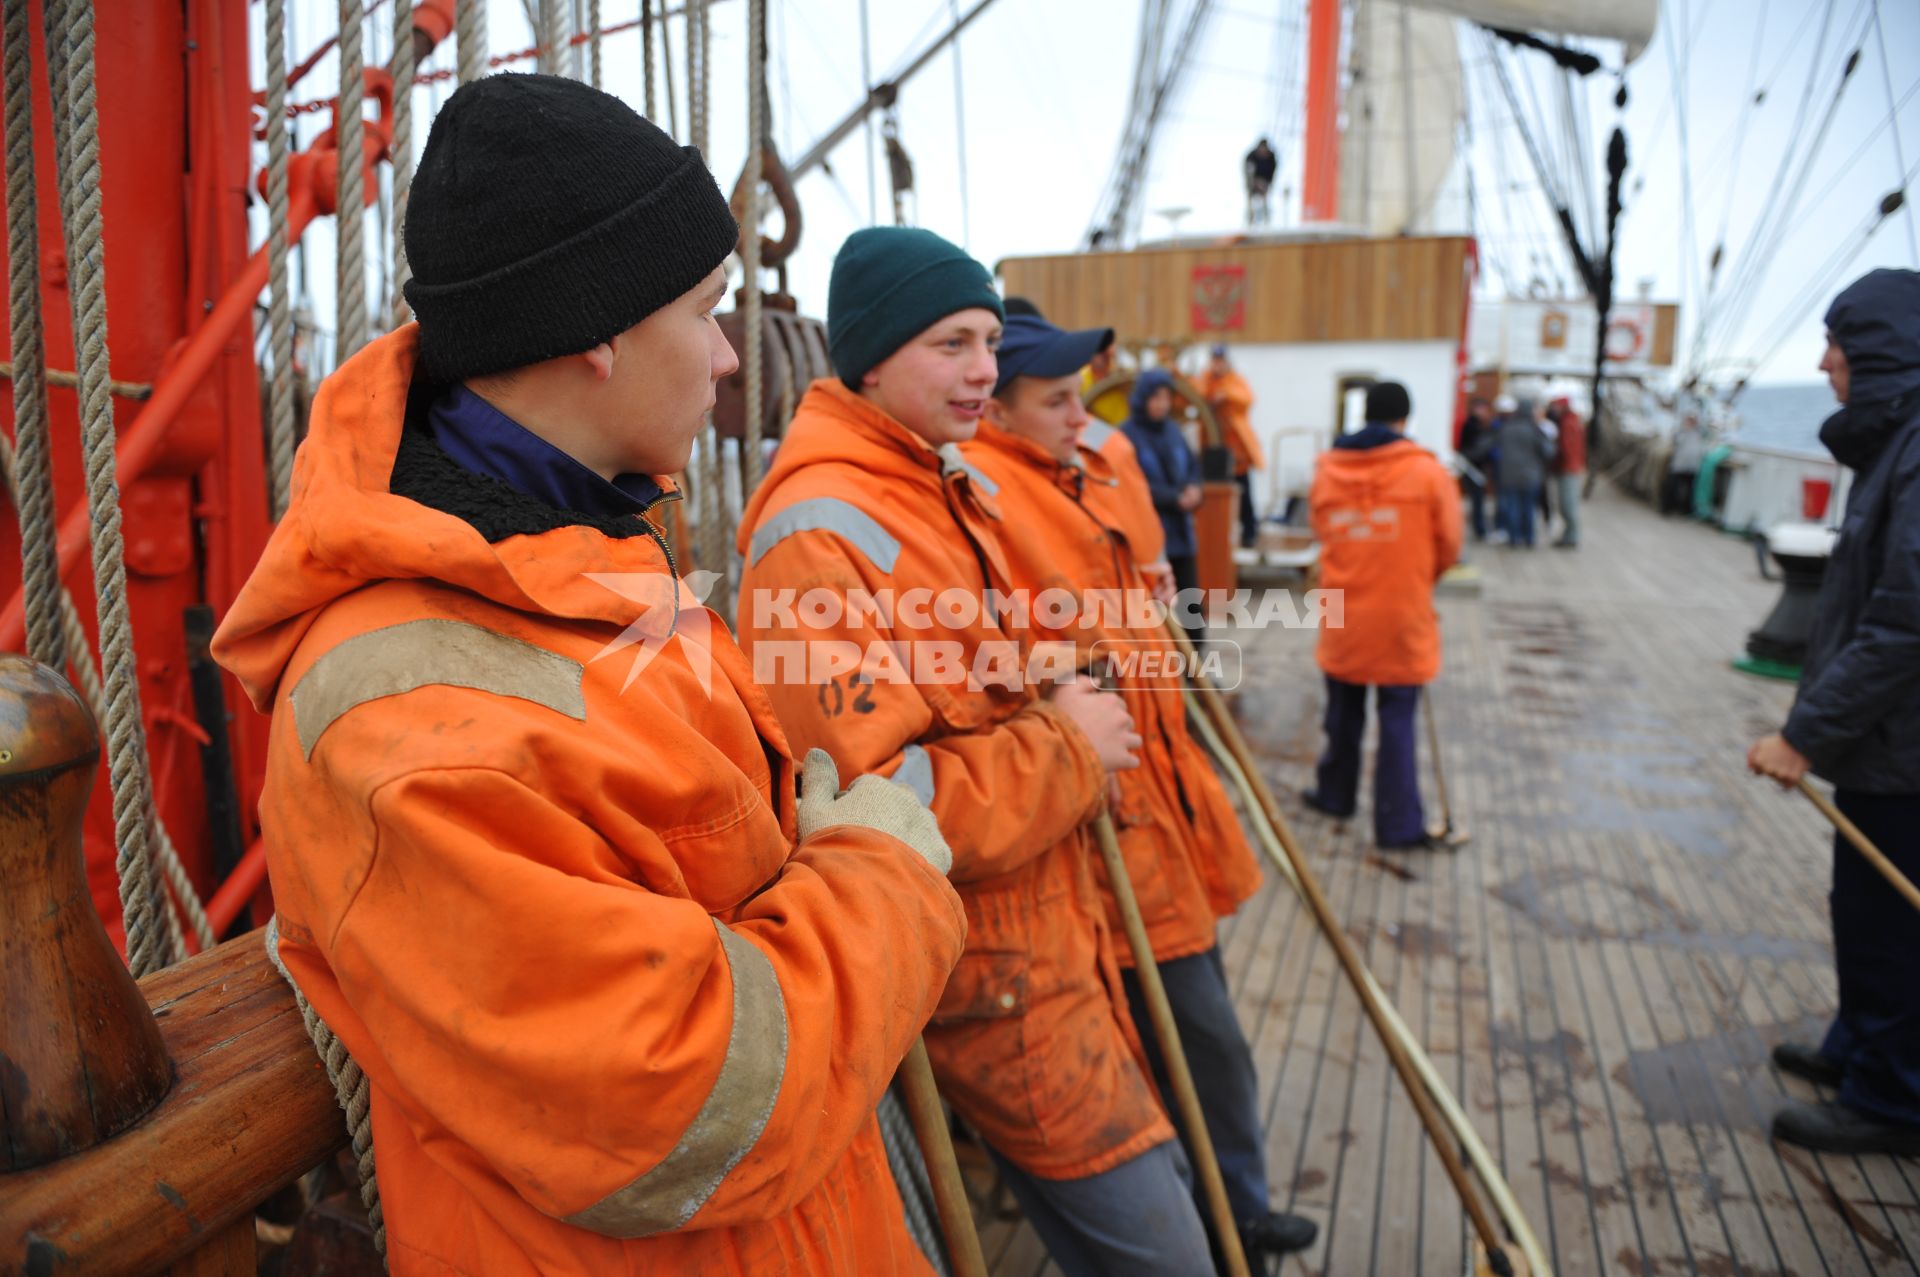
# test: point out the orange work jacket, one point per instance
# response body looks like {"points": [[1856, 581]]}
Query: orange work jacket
{"points": [[1032, 1042], [1185, 852], [547, 892], [1232, 402], [1125, 505], [1388, 521]]}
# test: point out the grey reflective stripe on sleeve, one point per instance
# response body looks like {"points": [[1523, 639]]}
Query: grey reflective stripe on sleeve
{"points": [[1096, 434], [429, 653], [916, 773], [727, 1125], [827, 514]]}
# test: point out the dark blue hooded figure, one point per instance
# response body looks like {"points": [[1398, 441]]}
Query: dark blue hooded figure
{"points": [[1167, 460], [1857, 720]]}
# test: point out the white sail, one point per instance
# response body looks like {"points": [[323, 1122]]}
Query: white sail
{"points": [[1629, 21], [1403, 109]]}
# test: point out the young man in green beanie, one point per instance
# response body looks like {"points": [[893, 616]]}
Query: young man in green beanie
{"points": [[624, 1004], [869, 606]]}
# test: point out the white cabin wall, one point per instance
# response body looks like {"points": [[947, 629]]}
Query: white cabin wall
{"points": [[1296, 385]]}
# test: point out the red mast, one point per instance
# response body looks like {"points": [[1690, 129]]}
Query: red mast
{"points": [[1320, 183]]}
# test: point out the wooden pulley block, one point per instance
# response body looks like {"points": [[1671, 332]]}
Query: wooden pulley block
{"points": [[80, 1054], [795, 346]]}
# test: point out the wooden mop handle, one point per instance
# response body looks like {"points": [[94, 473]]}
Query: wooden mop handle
{"points": [[922, 1098], [1437, 1132], [1186, 1097], [1861, 843]]}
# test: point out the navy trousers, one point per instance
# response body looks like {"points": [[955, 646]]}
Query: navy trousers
{"points": [[1136, 1220], [1516, 512], [1223, 1072], [1397, 814], [1876, 954]]}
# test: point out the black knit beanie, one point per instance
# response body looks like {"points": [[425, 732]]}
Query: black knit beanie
{"points": [[546, 217]]}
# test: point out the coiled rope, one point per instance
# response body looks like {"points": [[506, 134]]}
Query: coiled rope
{"points": [[280, 409], [69, 26], [593, 32], [350, 324], [350, 1090], [402, 151], [646, 56], [32, 480], [549, 37], [470, 39]]}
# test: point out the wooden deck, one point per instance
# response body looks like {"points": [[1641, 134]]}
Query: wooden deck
{"points": [[1599, 973]]}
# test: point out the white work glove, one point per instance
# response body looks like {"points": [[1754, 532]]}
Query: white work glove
{"points": [[873, 802]]}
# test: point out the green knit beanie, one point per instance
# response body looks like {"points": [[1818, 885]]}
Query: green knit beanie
{"points": [[889, 284]]}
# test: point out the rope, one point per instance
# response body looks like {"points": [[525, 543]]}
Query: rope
{"points": [[470, 39], [756, 154], [350, 323], [402, 151], [549, 38], [69, 25], [280, 430], [593, 30], [909, 1166], [666, 64], [715, 554], [33, 484], [646, 54], [350, 1090]]}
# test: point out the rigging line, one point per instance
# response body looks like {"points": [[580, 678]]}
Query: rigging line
{"points": [[1781, 224], [1748, 257], [1678, 63], [1739, 144], [866, 89], [1753, 260], [960, 128], [1839, 263], [1899, 151]]}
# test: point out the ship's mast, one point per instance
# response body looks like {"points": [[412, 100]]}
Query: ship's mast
{"points": [[1320, 179]]}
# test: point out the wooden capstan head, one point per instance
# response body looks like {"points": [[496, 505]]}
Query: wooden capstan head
{"points": [[80, 1055]]}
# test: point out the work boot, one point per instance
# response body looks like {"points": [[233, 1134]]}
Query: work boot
{"points": [[1316, 803], [1806, 1061], [1425, 842], [1275, 1234], [1835, 1128]]}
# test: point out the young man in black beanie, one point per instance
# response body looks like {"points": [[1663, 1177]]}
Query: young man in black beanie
{"points": [[624, 1004], [871, 549]]}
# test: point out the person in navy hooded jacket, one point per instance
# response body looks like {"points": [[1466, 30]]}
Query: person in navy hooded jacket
{"points": [[1173, 478], [1856, 722]]}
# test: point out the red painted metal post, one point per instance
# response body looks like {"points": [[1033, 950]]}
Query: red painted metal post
{"points": [[1320, 180]]}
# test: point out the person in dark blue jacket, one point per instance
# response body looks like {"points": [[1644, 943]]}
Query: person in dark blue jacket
{"points": [[1173, 477], [1856, 722]]}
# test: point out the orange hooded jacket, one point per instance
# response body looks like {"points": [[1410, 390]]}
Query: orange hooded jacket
{"points": [[1388, 521], [614, 1019], [1127, 504], [1232, 401], [1189, 861], [1032, 1042]]}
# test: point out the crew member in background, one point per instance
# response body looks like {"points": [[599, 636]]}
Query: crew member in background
{"points": [[1475, 448], [1524, 452], [1231, 399], [1258, 168], [1387, 514], [869, 498], [1569, 468], [1173, 481], [1690, 445], [1185, 852], [1856, 722], [624, 1005]]}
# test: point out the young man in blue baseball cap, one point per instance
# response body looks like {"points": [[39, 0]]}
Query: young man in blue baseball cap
{"points": [[1184, 849]]}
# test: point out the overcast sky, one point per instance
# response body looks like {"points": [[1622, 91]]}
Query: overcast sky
{"points": [[1011, 153]]}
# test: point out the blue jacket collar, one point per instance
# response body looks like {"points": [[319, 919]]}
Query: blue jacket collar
{"points": [[481, 438]]}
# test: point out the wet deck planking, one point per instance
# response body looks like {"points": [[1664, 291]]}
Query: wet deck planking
{"points": [[1600, 973]]}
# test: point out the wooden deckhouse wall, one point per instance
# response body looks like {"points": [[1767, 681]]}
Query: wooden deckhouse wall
{"points": [[1410, 289]]}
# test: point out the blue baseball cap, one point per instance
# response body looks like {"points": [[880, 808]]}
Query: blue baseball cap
{"points": [[1032, 347]]}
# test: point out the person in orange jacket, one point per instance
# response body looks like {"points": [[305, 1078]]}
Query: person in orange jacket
{"points": [[1231, 399], [1186, 855], [625, 1004], [871, 604], [1387, 514]]}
